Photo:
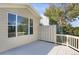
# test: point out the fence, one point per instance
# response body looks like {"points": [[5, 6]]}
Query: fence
{"points": [[48, 33], [68, 40]]}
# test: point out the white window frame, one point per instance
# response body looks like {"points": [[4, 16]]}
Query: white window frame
{"points": [[12, 25], [28, 26], [16, 26]]}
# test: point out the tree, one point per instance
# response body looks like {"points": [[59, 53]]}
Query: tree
{"points": [[62, 14], [53, 14], [68, 12], [76, 31]]}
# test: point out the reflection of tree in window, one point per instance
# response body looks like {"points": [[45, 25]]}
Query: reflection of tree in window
{"points": [[11, 31], [22, 25], [11, 25], [25, 21]]}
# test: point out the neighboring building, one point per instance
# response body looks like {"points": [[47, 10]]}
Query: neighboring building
{"points": [[19, 25], [44, 20]]}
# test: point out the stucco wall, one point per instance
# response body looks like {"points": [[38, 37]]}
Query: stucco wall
{"points": [[8, 43]]}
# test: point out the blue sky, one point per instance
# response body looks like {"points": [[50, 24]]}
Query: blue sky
{"points": [[40, 7], [75, 23]]}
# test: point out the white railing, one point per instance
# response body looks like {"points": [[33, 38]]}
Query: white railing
{"points": [[69, 40]]}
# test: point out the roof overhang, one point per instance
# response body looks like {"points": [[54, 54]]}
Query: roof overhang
{"points": [[20, 5]]}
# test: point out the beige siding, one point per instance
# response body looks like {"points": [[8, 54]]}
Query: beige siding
{"points": [[7, 43]]}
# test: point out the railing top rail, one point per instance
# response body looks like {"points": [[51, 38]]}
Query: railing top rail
{"points": [[68, 36], [61, 35]]}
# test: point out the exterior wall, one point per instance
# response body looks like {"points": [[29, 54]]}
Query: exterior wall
{"points": [[8, 43], [48, 33]]}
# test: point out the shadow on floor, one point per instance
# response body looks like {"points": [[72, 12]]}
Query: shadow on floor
{"points": [[34, 48]]}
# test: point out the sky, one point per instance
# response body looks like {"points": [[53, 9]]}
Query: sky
{"points": [[40, 7], [75, 23]]}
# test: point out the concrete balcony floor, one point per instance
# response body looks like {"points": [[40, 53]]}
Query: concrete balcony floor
{"points": [[41, 48]]}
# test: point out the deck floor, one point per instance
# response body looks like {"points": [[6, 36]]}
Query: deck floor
{"points": [[41, 48]]}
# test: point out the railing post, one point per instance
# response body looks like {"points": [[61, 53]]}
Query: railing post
{"points": [[67, 41]]}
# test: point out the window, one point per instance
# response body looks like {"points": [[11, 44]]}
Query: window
{"points": [[11, 25], [18, 25], [31, 26], [22, 24]]}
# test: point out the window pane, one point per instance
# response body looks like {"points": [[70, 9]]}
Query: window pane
{"points": [[22, 20], [22, 25], [22, 30], [31, 30], [31, 22], [26, 30], [25, 20], [11, 31], [11, 19], [31, 26]]}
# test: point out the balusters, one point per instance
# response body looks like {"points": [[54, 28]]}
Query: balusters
{"points": [[69, 40], [77, 43]]}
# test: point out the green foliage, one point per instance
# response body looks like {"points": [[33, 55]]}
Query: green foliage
{"points": [[20, 28], [76, 31], [62, 16], [68, 12], [71, 30], [53, 14], [73, 11]]}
